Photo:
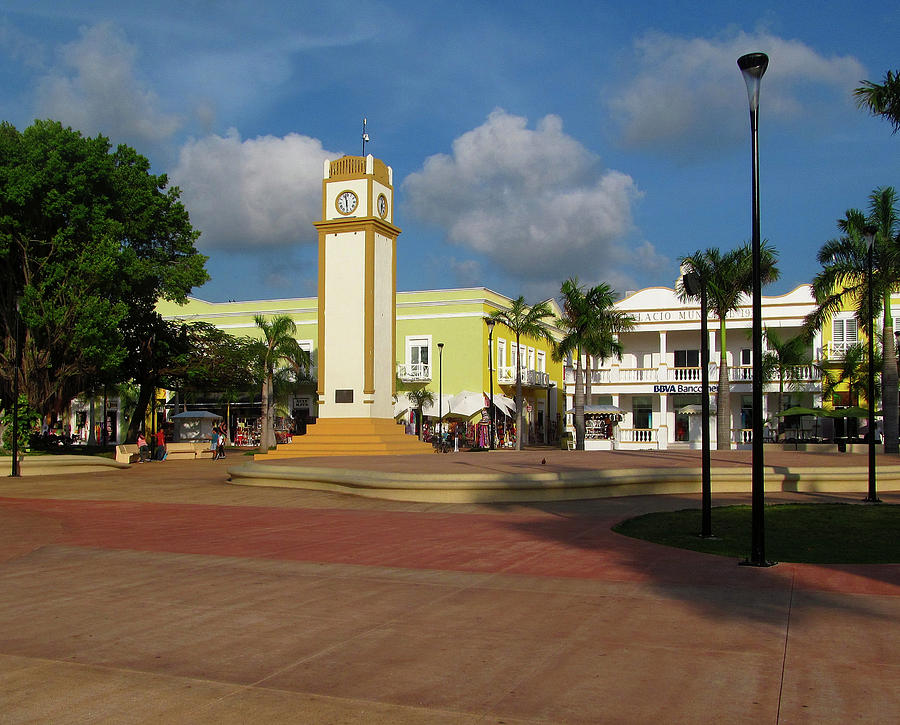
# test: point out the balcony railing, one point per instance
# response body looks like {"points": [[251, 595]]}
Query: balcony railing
{"points": [[414, 372], [531, 378], [687, 374], [638, 435], [836, 350]]}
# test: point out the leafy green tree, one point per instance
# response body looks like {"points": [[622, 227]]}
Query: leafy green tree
{"points": [[28, 419], [844, 283], [851, 374], [590, 325], [278, 347], [784, 361], [91, 240], [526, 321], [728, 278], [419, 398], [881, 99]]}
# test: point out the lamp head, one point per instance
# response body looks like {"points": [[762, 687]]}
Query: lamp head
{"points": [[441, 345], [490, 324], [869, 233], [691, 282], [753, 66]]}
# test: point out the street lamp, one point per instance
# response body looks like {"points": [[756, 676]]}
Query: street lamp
{"points": [[695, 286], [753, 66], [872, 496], [16, 471], [441, 394], [490, 325]]}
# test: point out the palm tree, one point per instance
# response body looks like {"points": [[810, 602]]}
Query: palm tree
{"points": [[419, 398], [728, 278], [530, 322], [278, 345], [881, 99], [844, 283], [591, 325], [852, 374], [783, 361]]}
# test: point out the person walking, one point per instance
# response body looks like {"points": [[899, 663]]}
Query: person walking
{"points": [[219, 432]]}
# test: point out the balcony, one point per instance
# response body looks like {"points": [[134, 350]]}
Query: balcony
{"points": [[836, 350], [414, 372], [530, 378]]}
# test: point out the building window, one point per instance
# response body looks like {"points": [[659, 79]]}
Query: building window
{"points": [[642, 411], [746, 356], [501, 353], [541, 361], [531, 359], [843, 333], [687, 358]]}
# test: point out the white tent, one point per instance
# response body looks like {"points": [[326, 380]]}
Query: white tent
{"points": [[505, 405], [466, 403], [194, 425]]}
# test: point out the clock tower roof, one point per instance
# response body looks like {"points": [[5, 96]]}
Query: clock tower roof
{"points": [[355, 167]]}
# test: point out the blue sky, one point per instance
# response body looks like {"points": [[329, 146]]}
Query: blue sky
{"points": [[530, 141]]}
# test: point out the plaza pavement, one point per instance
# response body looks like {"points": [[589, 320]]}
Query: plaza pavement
{"points": [[162, 594]]}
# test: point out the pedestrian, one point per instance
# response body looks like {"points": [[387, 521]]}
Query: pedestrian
{"points": [[220, 443], [143, 448], [161, 445]]}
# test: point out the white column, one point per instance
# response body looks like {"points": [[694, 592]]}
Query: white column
{"points": [[663, 429]]}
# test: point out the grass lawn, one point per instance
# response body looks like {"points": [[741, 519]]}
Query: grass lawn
{"points": [[812, 533]]}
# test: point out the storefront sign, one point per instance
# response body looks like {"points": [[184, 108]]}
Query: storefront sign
{"points": [[683, 388]]}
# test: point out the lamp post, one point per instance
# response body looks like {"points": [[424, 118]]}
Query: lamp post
{"points": [[490, 325], [16, 471], [440, 393], [695, 285], [872, 496], [753, 66]]}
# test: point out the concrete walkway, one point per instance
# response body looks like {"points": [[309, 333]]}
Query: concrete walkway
{"points": [[162, 594]]}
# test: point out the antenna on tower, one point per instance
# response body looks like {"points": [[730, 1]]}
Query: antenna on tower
{"points": [[365, 137]]}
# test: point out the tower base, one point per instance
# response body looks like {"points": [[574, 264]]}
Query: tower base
{"points": [[349, 437]]}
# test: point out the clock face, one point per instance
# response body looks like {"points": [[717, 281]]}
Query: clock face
{"points": [[346, 202], [382, 206]]}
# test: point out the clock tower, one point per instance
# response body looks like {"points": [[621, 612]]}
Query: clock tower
{"points": [[357, 290]]}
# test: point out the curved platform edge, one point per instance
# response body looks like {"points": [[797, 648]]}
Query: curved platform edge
{"points": [[53, 465], [563, 486]]}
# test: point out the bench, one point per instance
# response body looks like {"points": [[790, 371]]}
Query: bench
{"points": [[127, 453], [188, 450]]}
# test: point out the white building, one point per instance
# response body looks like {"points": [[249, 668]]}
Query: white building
{"points": [[654, 392]]}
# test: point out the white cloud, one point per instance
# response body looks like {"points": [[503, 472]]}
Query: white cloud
{"points": [[536, 203], [691, 88], [97, 91], [259, 192]]}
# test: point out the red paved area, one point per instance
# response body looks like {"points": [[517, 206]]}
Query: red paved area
{"points": [[163, 594], [539, 544]]}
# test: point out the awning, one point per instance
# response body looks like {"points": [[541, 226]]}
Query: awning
{"points": [[195, 414], [466, 403]]}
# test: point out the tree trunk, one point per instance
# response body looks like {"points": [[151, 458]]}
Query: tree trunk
{"points": [[578, 404], [723, 397], [270, 412], [140, 411], [263, 418], [519, 416], [889, 385]]}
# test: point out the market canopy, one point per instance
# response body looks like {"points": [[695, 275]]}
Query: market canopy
{"points": [[696, 409], [466, 403], [601, 409], [800, 410], [195, 414]]}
